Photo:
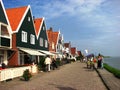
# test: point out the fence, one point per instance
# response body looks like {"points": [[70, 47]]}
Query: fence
{"points": [[11, 73]]}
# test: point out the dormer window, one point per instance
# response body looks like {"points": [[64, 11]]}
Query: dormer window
{"points": [[29, 19], [43, 28], [53, 45]]}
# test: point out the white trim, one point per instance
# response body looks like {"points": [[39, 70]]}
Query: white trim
{"points": [[40, 28], [2, 24], [33, 21], [6, 48], [46, 31], [10, 31], [8, 26], [57, 41], [46, 52]]}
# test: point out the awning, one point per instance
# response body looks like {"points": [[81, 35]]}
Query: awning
{"points": [[90, 55], [46, 52], [32, 52]]}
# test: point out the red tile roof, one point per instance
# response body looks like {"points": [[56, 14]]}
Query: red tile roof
{"points": [[52, 37], [15, 15], [38, 25], [55, 37]]}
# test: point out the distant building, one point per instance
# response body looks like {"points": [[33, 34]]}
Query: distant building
{"points": [[55, 40], [67, 50], [79, 53], [74, 53]]}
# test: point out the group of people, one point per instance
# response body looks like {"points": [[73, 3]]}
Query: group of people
{"points": [[91, 62], [50, 62]]}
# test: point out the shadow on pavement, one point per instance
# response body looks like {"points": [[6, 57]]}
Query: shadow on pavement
{"points": [[62, 87], [65, 88]]}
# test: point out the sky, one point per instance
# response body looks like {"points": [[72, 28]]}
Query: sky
{"points": [[92, 25]]}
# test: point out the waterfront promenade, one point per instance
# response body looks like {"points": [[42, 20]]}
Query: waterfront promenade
{"points": [[74, 76]]}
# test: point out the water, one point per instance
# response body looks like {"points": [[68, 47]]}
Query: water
{"points": [[113, 61]]}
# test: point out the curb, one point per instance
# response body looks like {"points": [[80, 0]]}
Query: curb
{"points": [[101, 77]]}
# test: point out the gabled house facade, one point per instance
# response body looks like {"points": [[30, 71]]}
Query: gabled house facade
{"points": [[5, 36], [55, 42], [24, 40], [79, 53], [73, 52], [59, 45], [40, 30], [52, 38], [41, 34], [67, 50]]}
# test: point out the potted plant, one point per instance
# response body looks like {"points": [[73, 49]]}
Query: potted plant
{"points": [[27, 75]]}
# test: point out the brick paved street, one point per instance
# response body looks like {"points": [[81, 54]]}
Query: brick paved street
{"points": [[74, 76]]}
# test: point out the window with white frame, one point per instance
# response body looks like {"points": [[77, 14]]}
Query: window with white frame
{"points": [[32, 39], [41, 41], [43, 27], [29, 19], [46, 43], [24, 36], [4, 30], [53, 45]]}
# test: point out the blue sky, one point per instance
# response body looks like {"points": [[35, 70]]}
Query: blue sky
{"points": [[88, 24]]}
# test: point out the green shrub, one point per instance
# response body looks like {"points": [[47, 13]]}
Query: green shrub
{"points": [[115, 71], [27, 75], [41, 64], [58, 62]]}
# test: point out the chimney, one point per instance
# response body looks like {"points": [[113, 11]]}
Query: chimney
{"points": [[50, 28]]}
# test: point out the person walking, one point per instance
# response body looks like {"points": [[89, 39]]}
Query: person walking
{"points": [[54, 63], [48, 63], [99, 61]]}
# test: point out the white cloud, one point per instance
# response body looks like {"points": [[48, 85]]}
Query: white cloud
{"points": [[70, 7], [88, 10], [97, 18]]}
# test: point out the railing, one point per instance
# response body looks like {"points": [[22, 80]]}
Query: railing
{"points": [[11, 73]]}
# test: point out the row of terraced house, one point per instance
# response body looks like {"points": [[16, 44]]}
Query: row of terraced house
{"points": [[24, 39]]}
